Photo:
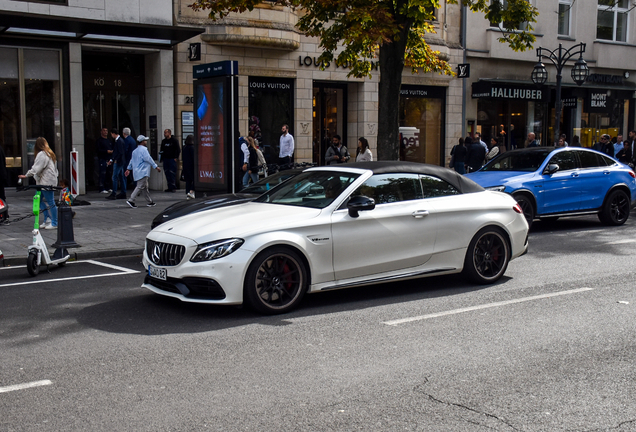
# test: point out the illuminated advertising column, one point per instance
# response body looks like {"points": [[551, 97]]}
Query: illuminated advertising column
{"points": [[216, 127]]}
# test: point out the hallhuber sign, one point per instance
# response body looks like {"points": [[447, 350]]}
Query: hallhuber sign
{"points": [[494, 90]]}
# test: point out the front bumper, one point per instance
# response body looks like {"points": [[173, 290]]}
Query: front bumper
{"points": [[215, 282]]}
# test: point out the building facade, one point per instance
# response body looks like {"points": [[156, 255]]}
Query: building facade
{"points": [[281, 82], [70, 67], [504, 103]]}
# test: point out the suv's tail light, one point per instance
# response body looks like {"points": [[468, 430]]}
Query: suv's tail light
{"points": [[517, 208], [631, 173]]}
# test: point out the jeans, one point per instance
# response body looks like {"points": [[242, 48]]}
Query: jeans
{"points": [[118, 176], [247, 176], [170, 168], [47, 199]]}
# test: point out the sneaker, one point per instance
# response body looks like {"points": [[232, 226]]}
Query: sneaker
{"points": [[104, 191], [131, 204], [190, 195], [111, 197], [45, 223], [50, 227], [151, 204]]}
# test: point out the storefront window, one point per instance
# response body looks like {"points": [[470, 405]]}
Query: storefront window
{"points": [[42, 98], [270, 107], [10, 107], [422, 124]]}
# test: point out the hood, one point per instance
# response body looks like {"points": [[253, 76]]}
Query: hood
{"points": [[498, 178], [183, 208], [236, 221]]}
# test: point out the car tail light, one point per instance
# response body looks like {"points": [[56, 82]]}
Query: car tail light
{"points": [[631, 173], [2, 204], [517, 208]]}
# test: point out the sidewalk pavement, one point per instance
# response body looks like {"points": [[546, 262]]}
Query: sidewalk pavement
{"points": [[106, 228]]}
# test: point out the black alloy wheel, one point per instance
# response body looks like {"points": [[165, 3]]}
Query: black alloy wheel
{"points": [[526, 206], [488, 256], [616, 209], [276, 281]]}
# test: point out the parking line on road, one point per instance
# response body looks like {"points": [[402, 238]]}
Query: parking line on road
{"points": [[120, 272], [484, 306], [25, 386]]}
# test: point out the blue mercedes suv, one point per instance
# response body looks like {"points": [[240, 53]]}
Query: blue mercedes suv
{"points": [[550, 182]]}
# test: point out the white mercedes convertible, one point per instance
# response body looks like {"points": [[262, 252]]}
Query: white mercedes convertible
{"points": [[337, 227]]}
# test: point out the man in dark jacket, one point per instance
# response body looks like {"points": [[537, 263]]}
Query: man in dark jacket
{"points": [[131, 145], [170, 152], [104, 150], [475, 156], [119, 160]]}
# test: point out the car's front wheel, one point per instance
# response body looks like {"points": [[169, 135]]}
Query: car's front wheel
{"points": [[276, 281], [487, 256], [615, 211], [527, 206]]}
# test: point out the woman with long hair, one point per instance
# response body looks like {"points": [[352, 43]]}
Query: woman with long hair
{"points": [[44, 171], [363, 154]]}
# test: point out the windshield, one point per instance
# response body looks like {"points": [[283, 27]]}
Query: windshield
{"points": [[528, 161], [269, 182], [315, 189]]}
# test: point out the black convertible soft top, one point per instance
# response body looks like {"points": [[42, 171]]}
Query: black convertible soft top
{"points": [[463, 184]]}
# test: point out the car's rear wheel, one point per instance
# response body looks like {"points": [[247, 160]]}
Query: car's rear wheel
{"points": [[488, 256], [615, 211], [276, 281], [527, 206]]}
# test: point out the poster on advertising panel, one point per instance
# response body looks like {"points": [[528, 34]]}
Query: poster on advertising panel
{"points": [[210, 132]]}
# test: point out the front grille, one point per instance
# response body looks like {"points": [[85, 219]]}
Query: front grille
{"points": [[164, 254]]}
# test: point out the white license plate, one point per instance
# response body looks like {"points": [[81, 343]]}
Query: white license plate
{"points": [[157, 273]]}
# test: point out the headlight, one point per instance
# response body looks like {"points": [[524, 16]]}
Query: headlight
{"points": [[496, 188], [216, 249]]}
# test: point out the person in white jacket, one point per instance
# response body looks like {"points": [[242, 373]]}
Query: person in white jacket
{"points": [[363, 152], [44, 171]]}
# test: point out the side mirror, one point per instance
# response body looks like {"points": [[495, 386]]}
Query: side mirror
{"points": [[551, 169], [359, 203]]}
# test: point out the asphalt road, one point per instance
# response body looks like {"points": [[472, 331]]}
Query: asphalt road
{"points": [[551, 347]]}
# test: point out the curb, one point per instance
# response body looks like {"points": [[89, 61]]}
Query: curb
{"points": [[77, 256]]}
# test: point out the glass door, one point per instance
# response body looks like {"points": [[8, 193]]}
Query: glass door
{"points": [[110, 109], [329, 118]]}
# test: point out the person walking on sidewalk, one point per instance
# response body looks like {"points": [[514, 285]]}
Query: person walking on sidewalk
{"points": [[140, 165], [188, 166], [119, 160], [131, 145], [45, 173], [169, 152]]}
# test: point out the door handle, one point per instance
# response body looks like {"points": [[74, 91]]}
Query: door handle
{"points": [[419, 213], [575, 174], [606, 172]]}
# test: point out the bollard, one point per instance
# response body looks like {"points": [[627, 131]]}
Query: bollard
{"points": [[65, 236]]}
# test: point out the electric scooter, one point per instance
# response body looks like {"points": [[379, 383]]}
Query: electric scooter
{"points": [[38, 252]]}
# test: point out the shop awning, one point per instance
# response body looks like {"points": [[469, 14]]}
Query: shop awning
{"points": [[83, 30]]}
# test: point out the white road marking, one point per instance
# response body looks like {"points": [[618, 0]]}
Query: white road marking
{"points": [[121, 271], [484, 306], [114, 267], [624, 241], [25, 386]]}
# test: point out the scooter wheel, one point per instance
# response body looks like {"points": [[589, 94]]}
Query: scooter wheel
{"points": [[32, 264]]}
